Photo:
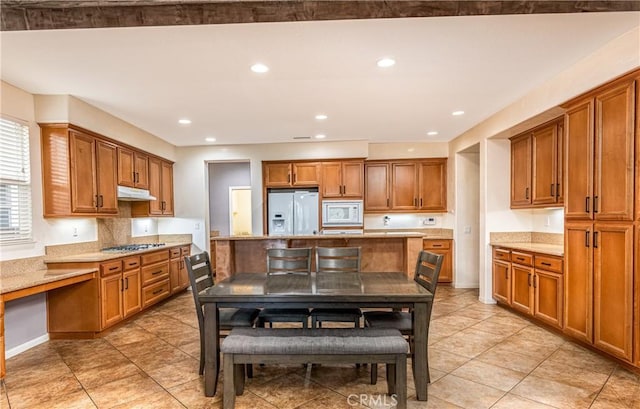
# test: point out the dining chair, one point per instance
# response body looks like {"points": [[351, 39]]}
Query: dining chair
{"points": [[201, 278], [280, 262], [336, 260], [426, 274]]}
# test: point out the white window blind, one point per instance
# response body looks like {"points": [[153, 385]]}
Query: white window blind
{"points": [[15, 182]]}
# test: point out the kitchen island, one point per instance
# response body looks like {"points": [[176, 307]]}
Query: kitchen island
{"points": [[382, 251]]}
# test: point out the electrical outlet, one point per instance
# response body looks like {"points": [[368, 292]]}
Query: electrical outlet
{"points": [[197, 226], [429, 221], [75, 232]]}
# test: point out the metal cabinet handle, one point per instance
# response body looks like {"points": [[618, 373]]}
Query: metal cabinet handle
{"points": [[586, 204], [595, 239], [415, 202], [586, 238], [529, 279], [420, 202], [526, 194], [557, 190], [595, 204], [534, 282], [387, 202], [546, 264], [552, 192], [126, 283]]}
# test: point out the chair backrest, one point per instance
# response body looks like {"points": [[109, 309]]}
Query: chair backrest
{"points": [[428, 270], [289, 261], [200, 277], [337, 259]]}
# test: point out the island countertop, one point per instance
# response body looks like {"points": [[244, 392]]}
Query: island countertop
{"points": [[446, 234]]}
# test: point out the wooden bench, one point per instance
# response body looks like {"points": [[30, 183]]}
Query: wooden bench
{"points": [[321, 346]]}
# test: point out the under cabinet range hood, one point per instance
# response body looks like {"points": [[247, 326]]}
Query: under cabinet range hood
{"points": [[132, 194]]}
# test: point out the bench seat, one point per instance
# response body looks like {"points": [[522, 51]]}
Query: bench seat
{"points": [[322, 346]]}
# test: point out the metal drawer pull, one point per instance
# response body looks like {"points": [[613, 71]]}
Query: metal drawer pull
{"points": [[595, 204], [546, 264], [113, 268], [586, 239], [519, 258], [437, 245], [157, 291], [595, 239], [586, 204], [157, 272]]}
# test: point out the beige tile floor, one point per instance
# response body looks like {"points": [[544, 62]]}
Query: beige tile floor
{"points": [[481, 356]]}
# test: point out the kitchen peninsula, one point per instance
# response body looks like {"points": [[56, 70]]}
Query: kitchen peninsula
{"points": [[382, 251]]}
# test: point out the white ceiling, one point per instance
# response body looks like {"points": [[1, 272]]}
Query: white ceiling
{"points": [[152, 76]]}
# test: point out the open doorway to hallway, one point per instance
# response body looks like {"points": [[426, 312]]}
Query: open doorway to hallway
{"points": [[224, 177], [467, 219]]}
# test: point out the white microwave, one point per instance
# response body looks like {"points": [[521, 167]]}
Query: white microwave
{"points": [[342, 213]]}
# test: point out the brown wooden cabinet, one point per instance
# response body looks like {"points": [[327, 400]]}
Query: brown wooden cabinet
{"points": [[501, 281], [537, 167], [119, 290], [111, 296], [155, 277], [521, 282], [133, 168], [179, 277], [291, 174], [444, 247], [578, 293], [160, 187], [406, 185], [343, 179]]}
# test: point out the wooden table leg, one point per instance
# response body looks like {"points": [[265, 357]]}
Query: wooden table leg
{"points": [[420, 350], [212, 349]]}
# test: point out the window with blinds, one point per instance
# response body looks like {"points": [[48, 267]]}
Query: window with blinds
{"points": [[15, 182]]}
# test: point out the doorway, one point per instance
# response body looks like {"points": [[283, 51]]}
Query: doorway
{"points": [[240, 210]]}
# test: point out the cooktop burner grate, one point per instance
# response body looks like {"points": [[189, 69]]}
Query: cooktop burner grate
{"points": [[132, 247]]}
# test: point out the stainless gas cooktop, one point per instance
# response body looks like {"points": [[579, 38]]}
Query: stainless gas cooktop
{"points": [[132, 247]]}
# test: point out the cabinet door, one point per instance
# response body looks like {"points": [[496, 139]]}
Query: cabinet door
{"points": [[107, 177], [522, 288], [521, 171], [174, 274], [376, 188], [433, 185], [544, 143], [403, 186], [167, 188], [131, 302], [636, 323], [306, 174], [613, 289], [353, 179], [84, 194], [578, 280], [548, 288], [331, 179], [578, 128], [111, 302], [560, 164], [155, 187], [614, 151], [141, 170], [126, 166], [446, 271], [277, 174], [502, 281]]}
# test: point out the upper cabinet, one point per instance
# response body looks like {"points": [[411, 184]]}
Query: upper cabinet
{"points": [[536, 167], [79, 172], [343, 179], [133, 168], [160, 187], [414, 185], [291, 174], [600, 154]]}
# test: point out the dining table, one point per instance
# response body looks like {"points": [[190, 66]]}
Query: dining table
{"points": [[384, 290]]}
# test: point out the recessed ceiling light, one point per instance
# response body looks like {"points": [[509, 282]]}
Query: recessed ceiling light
{"points": [[321, 117], [184, 121], [259, 68], [432, 133], [386, 62], [320, 136], [210, 139], [411, 149], [457, 113]]}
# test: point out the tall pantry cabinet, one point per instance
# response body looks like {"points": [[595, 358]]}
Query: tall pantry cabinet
{"points": [[600, 224]]}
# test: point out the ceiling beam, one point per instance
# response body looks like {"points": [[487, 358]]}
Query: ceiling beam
{"points": [[19, 15]]}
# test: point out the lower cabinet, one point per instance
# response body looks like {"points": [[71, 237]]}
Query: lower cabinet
{"points": [[119, 290], [531, 283], [444, 247], [179, 276], [155, 279]]}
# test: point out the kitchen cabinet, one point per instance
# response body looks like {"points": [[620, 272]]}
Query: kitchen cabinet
{"points": [[537, 167], [133, 168], [406, 185], [548, 286], [291, 174], [160, 187], [342, 179], [521, 277], [444, 247], [119, 290], [502, 275], [178, 269], [155, 277]]}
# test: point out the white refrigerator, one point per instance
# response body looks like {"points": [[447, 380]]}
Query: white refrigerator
{"points": [[293, 213]]}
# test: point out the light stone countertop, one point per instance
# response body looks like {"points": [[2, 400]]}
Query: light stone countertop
{"points": [[100, 256], [34, 278], [372, 234], [551, 249]]}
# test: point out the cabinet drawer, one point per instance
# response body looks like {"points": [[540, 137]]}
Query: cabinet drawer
{"points": [[524, 259], [131, 263], [175, 252], [155, 257], [436, 244], [548, 263], [155, 272], [502, 254], [111, 267], [185, 251], [155, 292]]}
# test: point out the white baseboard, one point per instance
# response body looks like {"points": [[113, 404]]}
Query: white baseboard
{"points": [[489, 300], [466, 285], [27, 345]]}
